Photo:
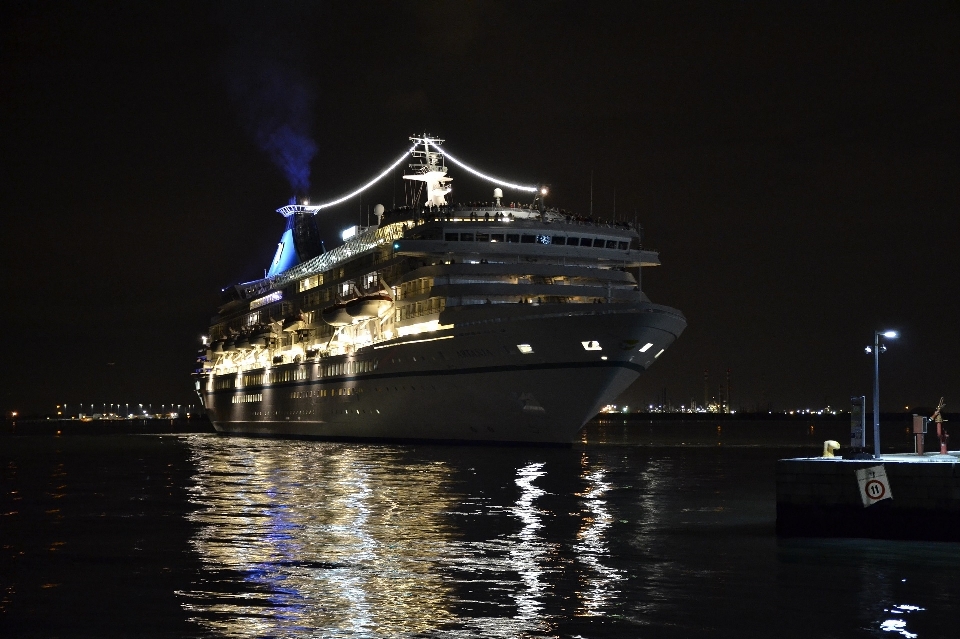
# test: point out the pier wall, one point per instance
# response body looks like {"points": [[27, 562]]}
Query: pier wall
{"points": [[821, 497]]}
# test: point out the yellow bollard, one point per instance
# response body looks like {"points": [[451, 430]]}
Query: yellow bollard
{"points": [[829, 446]]}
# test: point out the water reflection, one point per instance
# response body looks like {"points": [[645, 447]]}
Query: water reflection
{"points": [[347, 540], [336, 540], [899, 624], [598, 581], [303, 536], [529, 550]]}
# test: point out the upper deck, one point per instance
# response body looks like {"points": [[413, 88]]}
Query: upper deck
{"points": [[480, 232]]}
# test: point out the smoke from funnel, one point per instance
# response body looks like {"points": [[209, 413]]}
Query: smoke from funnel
{"points": [[276, 106]]}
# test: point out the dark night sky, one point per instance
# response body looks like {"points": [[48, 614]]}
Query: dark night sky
{"points": [[796, 164]]}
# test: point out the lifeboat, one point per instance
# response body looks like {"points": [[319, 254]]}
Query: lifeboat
{"points": [[369, 306], [229, 346], [218, 347], [243, 343], [336, 315]]}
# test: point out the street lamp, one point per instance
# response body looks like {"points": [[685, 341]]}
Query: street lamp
{"points": [[876, 350]]}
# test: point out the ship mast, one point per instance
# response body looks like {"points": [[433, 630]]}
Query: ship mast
{"points": [[432, 172]]}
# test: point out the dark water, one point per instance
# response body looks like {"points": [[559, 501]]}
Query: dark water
{"points": [[627, 535]]}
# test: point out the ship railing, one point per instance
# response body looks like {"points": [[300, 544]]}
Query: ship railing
{"points": [[325, 261], [502, 215]]}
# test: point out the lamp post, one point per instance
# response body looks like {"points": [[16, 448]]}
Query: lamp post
{"points": [[877, 348]]}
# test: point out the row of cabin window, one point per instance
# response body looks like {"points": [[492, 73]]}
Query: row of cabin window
{"points": [[311, 282], [288, 375], [517, 238], [325, 392], [246, 399], [343, 368], [426, 307], [349, 368], [297, 413], [368, 282], [416, 287]]}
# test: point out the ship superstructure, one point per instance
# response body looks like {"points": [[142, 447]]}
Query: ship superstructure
{"points": [[498, 322]]}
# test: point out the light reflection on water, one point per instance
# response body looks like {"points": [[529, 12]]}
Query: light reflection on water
{"points": [[340, 540], [356, 540], [322, 537], [206, 536], [599, 581]]}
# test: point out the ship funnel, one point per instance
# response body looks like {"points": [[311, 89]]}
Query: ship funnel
{"points": [[300, 240]]}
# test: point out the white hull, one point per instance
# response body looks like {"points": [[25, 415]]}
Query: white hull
{"points": [[468, 383]]}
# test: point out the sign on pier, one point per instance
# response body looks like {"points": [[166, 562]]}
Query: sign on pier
{"points": [[874, 485]]}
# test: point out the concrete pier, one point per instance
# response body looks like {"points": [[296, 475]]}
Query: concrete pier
{"points": [[901, 496]]}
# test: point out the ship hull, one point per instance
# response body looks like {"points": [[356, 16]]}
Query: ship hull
{"points": [[473, 382]]}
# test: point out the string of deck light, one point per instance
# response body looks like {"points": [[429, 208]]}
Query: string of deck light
{"points": [[489, 178], [497, 181], [368, 184]]}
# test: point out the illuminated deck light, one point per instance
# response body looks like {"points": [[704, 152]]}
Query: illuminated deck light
{"points": [[526, 349], [519, 187], [646, 347], [367, 185]]}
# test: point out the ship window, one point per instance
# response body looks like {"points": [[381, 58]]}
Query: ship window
{"points": [[513, 237], [450, 237], [622, 245], [483, 237], [559, 240], [310, 282], [544, 239], [466, 237], [597, 242], [528, 239], [611, 244], [573, 241], [496, 237], [526, 349]]}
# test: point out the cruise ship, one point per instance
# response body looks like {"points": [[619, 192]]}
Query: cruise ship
{"points": [[496, 322]]}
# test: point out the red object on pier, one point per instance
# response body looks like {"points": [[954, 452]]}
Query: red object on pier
{"points": [[941, 431]]}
